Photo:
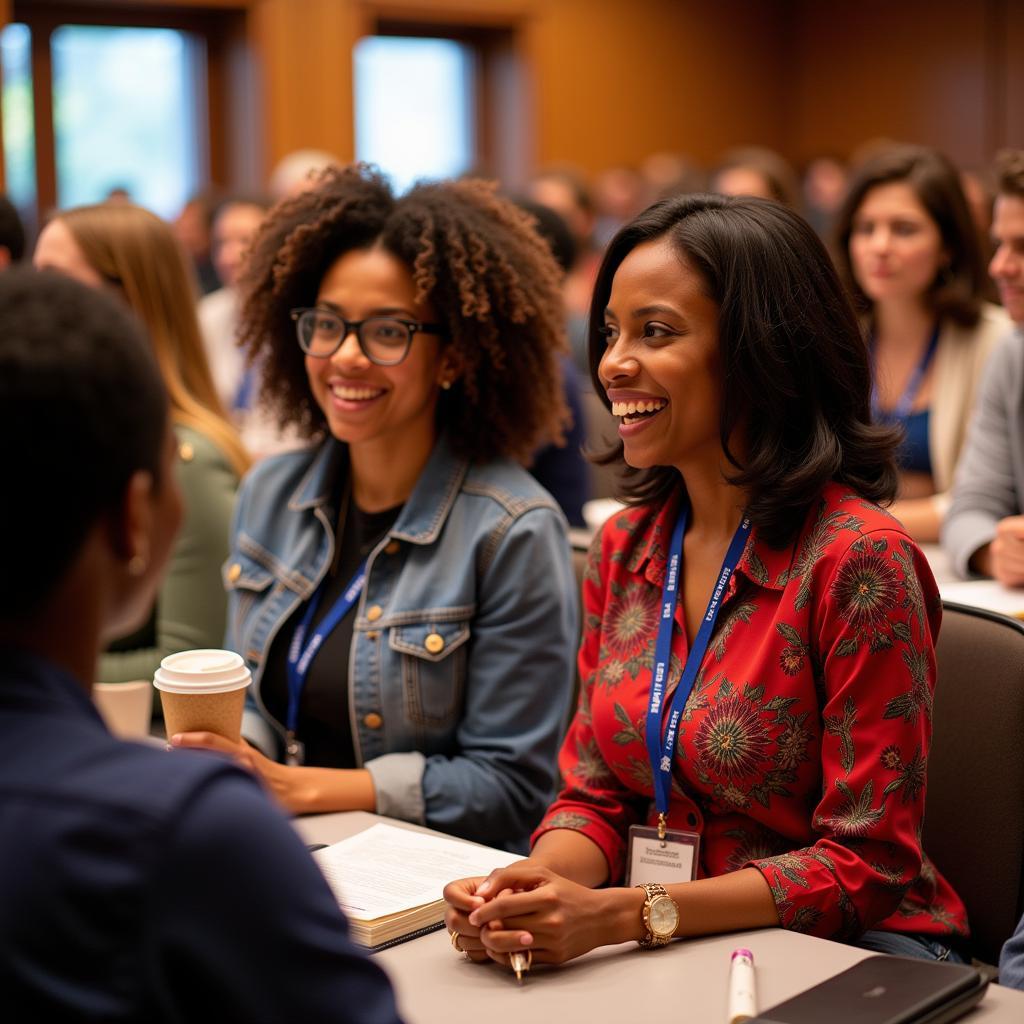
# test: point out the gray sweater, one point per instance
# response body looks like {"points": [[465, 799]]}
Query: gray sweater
{"points": [[989, 482]]}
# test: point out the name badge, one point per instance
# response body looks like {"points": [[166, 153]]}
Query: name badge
{"points": [[668, 860]]}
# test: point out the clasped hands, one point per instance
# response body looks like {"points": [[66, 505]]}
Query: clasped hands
{"points": [[527, 906]]}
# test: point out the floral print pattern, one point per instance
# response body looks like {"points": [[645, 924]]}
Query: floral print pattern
{"points": [[802, 750]]}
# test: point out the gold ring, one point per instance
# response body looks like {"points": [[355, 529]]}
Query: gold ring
{"points": [[455, 942]]}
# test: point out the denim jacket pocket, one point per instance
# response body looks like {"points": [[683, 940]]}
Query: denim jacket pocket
{"points": [[246, 581], [433, 656]]}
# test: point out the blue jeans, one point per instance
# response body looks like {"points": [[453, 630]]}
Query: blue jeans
{"points": [[921, 947]]}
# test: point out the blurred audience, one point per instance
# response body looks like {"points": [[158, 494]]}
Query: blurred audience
{"points": [[671, 174], [824, 188], [565, 191], [12, 234], [984, 531], [756, 171], [908, 250], [192, 228], [620, 193], [561, 468], [130, 252], [235, 223], [297, 171]]}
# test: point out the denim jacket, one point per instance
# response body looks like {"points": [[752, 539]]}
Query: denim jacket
{"points": [[461, 663]]}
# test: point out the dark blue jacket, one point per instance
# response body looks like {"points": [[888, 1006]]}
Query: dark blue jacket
{"points": [[138, 885]]}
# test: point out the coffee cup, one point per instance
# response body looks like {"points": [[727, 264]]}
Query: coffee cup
{"points": [[126, 707], [203, 691]]}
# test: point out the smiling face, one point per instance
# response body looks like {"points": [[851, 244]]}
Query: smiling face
{"points": [[363, 402], [661, 366], [1007, 266], [896, 248]]}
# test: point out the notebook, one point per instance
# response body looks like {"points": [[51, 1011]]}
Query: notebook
{"points": [[885, 990], [389, 880]]}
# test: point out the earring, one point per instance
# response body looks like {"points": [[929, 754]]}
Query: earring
{"points": [[137, 565], [446, 384]]}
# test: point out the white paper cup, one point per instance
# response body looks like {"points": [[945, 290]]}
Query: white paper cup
{"points": [[203, 691], [127, 708]]}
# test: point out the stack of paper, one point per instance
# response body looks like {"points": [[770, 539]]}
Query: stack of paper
{"points": [[389, 881]]}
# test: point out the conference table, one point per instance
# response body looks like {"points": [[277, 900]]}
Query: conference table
{"points": [[685, 981]]}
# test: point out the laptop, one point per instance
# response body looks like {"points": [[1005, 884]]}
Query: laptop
{"points": [[885, 990]]}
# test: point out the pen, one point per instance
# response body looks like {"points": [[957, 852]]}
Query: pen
{"points": [[520, 962], [742, 993]]}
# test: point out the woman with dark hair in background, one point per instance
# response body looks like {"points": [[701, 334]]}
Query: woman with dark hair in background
{"points": [[777, 713], [133, 253], [402, 590], [909, 254], [129, 888]]}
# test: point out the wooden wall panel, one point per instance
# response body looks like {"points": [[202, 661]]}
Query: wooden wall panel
{"points": [[303, 56], [916, 70], [617, 81], [1011, 129]]}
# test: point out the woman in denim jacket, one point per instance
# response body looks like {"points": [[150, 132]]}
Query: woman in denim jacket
{"points": [[416, 340]]}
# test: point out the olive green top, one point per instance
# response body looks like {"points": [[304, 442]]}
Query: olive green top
{"points": [[191, 604]]}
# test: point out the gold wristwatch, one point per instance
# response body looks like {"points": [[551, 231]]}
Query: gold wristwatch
{"points": [[660, 916]]}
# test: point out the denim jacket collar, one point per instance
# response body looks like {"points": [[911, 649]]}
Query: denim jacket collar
{"points": [[422, 516]]}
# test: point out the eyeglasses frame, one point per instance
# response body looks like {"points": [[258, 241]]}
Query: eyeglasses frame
{"points": [[414, 327]]}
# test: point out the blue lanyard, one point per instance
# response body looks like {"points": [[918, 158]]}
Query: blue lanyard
{"points": [[661, 752], [902, 408], [301, 653]]}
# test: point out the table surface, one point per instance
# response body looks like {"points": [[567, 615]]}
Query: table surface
{"points": [[436, 986]]}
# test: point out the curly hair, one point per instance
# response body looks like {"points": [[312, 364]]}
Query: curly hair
{"points": [[795, 367], [474, 257]]}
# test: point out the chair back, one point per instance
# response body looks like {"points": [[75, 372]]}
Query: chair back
{"points": [[974, 808]]}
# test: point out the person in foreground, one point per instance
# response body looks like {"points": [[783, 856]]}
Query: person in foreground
{"points": [[129, 889], [402, 590], [984, 530], [793, 739], [909, 252], [132, 253]]}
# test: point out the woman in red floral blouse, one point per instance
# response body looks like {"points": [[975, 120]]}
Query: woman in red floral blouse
{"points": [[722, 339]]}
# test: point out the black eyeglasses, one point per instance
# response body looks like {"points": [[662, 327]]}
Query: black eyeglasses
{"points": [[384, 340]]}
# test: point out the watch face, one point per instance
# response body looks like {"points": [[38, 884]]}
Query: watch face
{"points": [[664, 916]]}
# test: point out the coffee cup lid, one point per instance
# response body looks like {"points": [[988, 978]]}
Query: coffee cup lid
{"points": [[203, 671]]}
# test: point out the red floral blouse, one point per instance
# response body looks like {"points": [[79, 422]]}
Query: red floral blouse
{"points": [[802, 750]]}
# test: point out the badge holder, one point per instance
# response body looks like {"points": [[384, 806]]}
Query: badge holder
{"points": [[661, 855]]}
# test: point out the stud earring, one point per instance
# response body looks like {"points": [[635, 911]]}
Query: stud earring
{"points": [[136, 565], [446, 385]]}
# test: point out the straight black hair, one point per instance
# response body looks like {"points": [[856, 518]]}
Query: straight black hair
{"points": [[795, 368]]}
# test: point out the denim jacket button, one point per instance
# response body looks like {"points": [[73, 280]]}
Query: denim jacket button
{"points": [[392, 548], [373, 720], [374, 612], [234, 572], [434, 643]]}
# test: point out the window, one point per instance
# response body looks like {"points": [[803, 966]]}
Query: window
{"points": [[126, 107], [133, 96], [414, 100], [18, 119]]}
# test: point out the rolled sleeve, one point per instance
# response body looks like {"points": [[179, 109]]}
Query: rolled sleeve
{"points": [[398, 781]]}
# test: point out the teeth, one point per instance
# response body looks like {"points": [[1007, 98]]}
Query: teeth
{"points": [[632, 408], [354, 394]]}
